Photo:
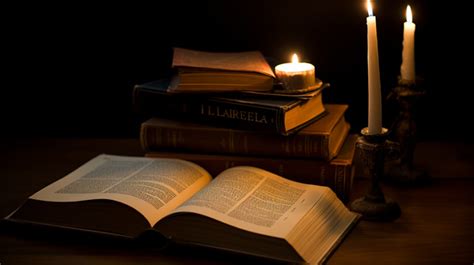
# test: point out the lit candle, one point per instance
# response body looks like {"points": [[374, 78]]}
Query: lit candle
{"points": [[407, 70], [296, 75], [375, 98]]}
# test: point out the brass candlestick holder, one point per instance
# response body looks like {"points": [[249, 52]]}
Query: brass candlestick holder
{"points": [[372, 150], [403, 171]]}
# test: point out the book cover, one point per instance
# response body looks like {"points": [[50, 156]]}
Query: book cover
{"points": [[322, 139], [251, 61], [200, 71], [183, 203], [283, 115]]}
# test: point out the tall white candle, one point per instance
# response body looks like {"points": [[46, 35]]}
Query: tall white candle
{"points": [[375, 97], [407, 70]]}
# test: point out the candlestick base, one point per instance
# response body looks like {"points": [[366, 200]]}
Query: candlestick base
{"points": [[403, 171], [374, 210], [374, 206]]}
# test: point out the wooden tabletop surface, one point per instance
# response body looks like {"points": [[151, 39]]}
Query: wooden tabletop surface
{"points": [[436, 225]]}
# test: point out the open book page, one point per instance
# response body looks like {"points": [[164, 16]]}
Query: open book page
{"points": [[153, 187], [255, 200]]}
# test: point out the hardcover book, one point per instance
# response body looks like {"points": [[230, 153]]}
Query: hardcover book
{"points": [[337, 174], [243, 209], [284, 115], [322, 139], [200, 71]]}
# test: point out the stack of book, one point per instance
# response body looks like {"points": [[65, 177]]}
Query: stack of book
{"points": [[294, 136]]}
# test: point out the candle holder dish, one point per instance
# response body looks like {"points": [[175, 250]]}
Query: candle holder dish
{"points": [[372, 151], [403, 171], [281, 88]]}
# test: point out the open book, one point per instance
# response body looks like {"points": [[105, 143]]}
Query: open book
{"points": [[243, 209], [200, 71]]}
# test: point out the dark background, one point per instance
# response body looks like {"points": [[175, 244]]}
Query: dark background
{"points": [[69, 68]]}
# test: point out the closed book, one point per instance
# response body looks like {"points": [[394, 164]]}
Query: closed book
{"points": [[200, 71], [283, 115], [336, 174], [321, 139]]}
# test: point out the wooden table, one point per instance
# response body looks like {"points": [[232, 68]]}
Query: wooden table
{"points": [[436, 226]]}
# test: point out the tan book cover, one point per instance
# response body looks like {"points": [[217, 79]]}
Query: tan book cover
{"points": [[200, 71], [251, 61]]}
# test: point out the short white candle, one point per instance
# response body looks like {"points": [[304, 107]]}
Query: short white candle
{"points": [[375, 97], [407, 69], [296, 75]]}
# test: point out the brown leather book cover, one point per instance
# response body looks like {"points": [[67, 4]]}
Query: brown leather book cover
{"points": [[321, 139]]}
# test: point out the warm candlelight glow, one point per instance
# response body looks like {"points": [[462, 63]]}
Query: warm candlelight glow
{"points": [[369, 8], [295, 66], [294, 59], [409, 15], [296, 75]]}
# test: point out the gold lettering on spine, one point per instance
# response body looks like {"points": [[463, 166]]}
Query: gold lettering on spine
{"points": [[243, 115], [210, 112], [227, 113], [235, 114], [218, 112], [251, 116]]}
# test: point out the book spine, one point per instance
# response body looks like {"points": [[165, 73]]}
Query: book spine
{"points": [[228, 141], [343, 177], [213, 111], [337, 176]]}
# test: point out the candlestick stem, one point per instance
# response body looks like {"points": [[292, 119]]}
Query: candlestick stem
{"points": [[374, 206], [403, 171]]}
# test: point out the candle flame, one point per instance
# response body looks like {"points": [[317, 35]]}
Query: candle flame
{"points": [[369, 8], [294, 59], [409, 14]]}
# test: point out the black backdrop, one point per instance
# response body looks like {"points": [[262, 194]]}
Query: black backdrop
{"points": [[70, 68]]}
